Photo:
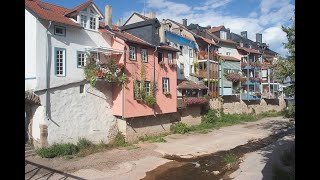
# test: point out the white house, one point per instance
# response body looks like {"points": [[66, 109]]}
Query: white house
{"points": [[56, 39]]}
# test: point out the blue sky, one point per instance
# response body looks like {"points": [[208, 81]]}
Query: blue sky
{"points": [[254, 16]]}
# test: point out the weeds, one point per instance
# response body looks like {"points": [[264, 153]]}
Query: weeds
{"points": [[230, 158], [154, 138], [179, 128], [58, 150]]}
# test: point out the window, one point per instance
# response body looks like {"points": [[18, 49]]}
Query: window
{"points": [[144, 55], [60, 57], [81, 59], [81, 88], [228, 53], [132, 53], [147, 87], [165, 85], [160, 57], [191, 53], [170, 58], [92, 23], [181, 48], [59, 30], [223, 35], [181, 68], [83, 21]]}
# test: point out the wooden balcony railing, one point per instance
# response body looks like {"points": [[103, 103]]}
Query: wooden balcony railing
{"points": [[204, 73]]}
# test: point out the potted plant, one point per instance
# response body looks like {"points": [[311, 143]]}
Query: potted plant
{"points": [[167, 93], [161, 63], [243, 79], [172, 65]]}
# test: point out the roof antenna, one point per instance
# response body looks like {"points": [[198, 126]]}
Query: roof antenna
{"points": [[144, 8]]}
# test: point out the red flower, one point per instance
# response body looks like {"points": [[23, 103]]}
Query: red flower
{"points": [[100, 73]]}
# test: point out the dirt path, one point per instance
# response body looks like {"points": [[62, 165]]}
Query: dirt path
{"points": [[134, 163]]}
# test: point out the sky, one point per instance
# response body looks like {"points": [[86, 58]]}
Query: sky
{"points": [[253, 16]]}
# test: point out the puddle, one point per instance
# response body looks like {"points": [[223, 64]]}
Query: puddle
{"points": [[210, 166]]}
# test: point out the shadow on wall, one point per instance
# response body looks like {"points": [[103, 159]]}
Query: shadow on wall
{"points": [[145, 121], [231, 99], [254, 102], [272, 101]]}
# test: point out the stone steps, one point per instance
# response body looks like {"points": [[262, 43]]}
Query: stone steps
{"points": [[29, 150]]}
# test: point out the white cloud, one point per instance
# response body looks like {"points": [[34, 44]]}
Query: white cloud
{"points": [[267, 20]]}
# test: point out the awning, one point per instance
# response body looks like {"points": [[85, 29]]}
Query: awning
{"points": [[190, 85], [105, 50]]}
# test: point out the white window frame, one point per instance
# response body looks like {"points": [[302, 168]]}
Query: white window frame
{"points": [[223, 35], [82, 60], [60, 61], [165, 85], [144, 55], [228, 53], [93, 23], [83, 20], [170, 59], [63, 30], [191, 53], [147, 86], [132, 53]]}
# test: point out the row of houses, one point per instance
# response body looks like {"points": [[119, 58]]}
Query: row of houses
{"points": [[142, 72]]}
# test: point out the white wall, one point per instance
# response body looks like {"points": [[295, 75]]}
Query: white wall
{"points": [[30, 51], [38, 118], [76, 39], [75, 115], [134, 19], [224, 49]]}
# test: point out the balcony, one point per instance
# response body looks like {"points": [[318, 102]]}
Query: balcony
{"points": [[203, 55], [204, 74], [249, 97], [270, 95]]}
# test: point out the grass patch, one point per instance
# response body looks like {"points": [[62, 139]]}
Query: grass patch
{"points": [[230, 158], [154, 138], [58, 150], [179, 128], [119, 141]]}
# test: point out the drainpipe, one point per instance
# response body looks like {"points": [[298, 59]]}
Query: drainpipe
{"points": [[208, 68], [47, 73], [154, 74]]}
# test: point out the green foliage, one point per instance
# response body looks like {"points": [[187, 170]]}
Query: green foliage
{"points": [[290, 112], [84, 143], [206, 96], [154, 138], [119, 141], [58, 150], [230, 158], [149, 100], [210, 117], [179, 128]]}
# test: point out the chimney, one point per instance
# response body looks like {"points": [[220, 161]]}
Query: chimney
{"points": [[119, 23], [108, 16], [244, 34], [259, 38], [152, 15], [184, 22]]}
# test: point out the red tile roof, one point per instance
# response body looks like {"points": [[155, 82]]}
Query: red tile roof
{"points": [[207, 40], [248, 50], [50, 12], [215, 29], [230, 58], [102, 25], [222, 40], [129, 37], [169, 48], [190, 85]]}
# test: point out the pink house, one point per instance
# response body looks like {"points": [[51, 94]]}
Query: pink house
{"points": [[154, 64]]}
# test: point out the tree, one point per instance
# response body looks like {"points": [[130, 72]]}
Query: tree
{"points": [[285, 67]]}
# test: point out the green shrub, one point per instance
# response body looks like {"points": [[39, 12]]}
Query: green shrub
{"points": [[154, 138], [149, 100], [179, 128], [58, 150], [230, 158], [119, 141], [84, 143], [290, 112], [210, 117]]}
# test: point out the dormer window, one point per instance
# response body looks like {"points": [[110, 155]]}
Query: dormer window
{"points": [[92, 23], [59, 30], [83, 21], [223, 35]]}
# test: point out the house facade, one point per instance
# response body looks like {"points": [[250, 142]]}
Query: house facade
{"points": [[57, 40]]}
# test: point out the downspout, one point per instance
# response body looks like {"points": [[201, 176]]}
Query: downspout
{"points": [[47, 74], [208, 68], [154, 74]]}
